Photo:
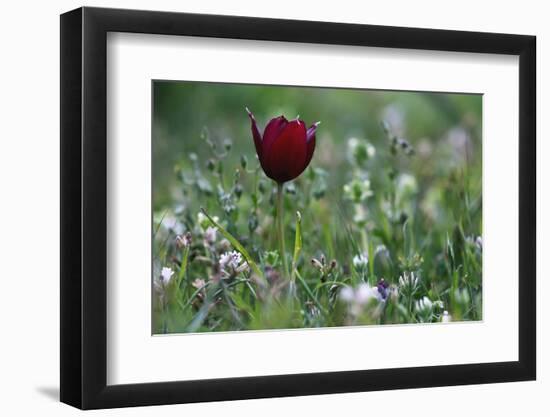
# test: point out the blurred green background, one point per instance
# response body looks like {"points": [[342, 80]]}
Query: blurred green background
{"points": [[440, 126]]}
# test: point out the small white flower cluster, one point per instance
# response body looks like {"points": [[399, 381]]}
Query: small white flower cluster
{"points": [[425, 309], [162, 281], [406, 184], [360, 261], [408, 283], [359, 151], [477, 241], [230, 259], [202, 220], [358, 190], [210, 235], [359, 297], [199, 283], [424, 305], [166, 275], [171, 223], [232, 263]]}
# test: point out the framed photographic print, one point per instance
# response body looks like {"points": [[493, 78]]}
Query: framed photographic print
{"points": [[258, 208]]}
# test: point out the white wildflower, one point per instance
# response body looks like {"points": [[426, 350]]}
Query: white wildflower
{"points": [[424, 306], [408, 283], [232, 263], [365, 293], [347, 294], [198, 283], [445, 317], [166, 275], [406, 184], [358, 298], [352, 145], [359, 151], [171, 223], [479, 242], [210, 235], [201, 218], [358, 190], [360, 261], [231, 259]]}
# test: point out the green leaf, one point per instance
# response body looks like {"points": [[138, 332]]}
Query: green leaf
{"points": [[236, 244], [297, 244]]}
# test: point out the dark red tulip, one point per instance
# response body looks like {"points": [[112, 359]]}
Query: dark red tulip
{"points": [[285, 149]]}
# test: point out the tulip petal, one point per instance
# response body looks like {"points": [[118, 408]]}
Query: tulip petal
{"points": [[310, 139], [255, 134], [311, 131], [310, 150], [285, 159], [272, 131]]}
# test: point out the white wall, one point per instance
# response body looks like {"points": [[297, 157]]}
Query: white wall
{"points": [[29, 173]]}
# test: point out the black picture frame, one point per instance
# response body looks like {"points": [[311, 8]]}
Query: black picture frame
{"points": [[84, 207]]}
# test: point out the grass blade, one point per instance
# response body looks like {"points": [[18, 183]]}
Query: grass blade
{"points": [[311, 295], [297, 245]]}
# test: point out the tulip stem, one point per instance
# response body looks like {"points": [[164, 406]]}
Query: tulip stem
{"points": [[281, 227]]}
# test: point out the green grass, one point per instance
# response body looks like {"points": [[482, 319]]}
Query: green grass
{"points": [[371, 208]]}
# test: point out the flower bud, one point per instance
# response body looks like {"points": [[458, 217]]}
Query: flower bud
{"points": [[286, 147]]}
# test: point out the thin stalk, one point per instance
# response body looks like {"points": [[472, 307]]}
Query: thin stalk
{"points": [[281, 228], [311, 295], [230, 304]]}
